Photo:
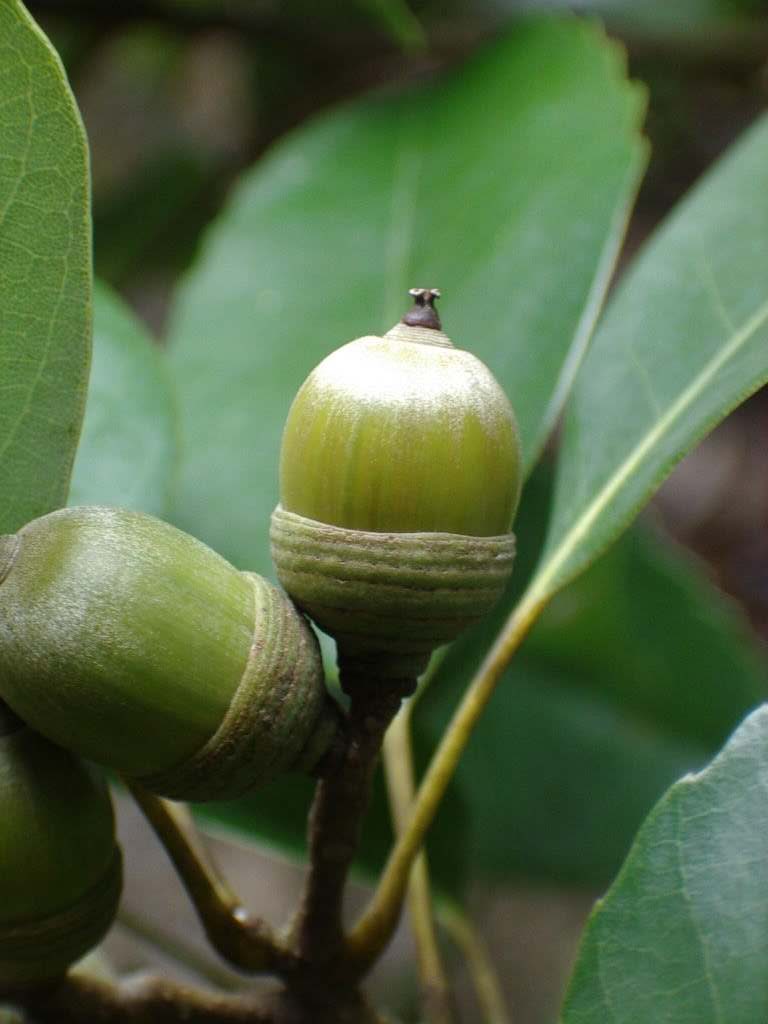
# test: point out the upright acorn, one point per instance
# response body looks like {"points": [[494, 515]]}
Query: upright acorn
{"points": [[138, 647], [60, 868], [399, 481]]}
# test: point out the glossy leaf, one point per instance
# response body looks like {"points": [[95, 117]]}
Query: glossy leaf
{"points": [[128, 451], [684, 341], [45, 272], [506, 187], [681, 936]]}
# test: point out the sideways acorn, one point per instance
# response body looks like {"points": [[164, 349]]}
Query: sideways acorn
{"points": [[134, 645], [60, 868], [400, 475]]}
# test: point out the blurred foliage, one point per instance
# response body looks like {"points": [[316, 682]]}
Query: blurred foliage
{"points": [[287, 61]]}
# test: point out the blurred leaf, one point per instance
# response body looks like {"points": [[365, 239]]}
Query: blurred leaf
{"points": [[154, 220], [127, 455], [45, 272], [646, 631], [506, 186], [652, 16], [684, 340], [681, 936], [399, 20], [632, 676], [556, 782]]}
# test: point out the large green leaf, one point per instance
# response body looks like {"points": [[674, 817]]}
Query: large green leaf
{"points": [[45, 272], [127, 454], [681, 936], [683, 342], [634, 674], [507, 187]]}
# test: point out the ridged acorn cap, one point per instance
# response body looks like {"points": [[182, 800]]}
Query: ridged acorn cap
{"points": [[60, 869], [136, 646], [399, 479]]}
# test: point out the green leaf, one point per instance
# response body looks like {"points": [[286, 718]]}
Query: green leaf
{"points": [[555, 782], [507, 187], [681, 936], [682, 343], [640, 626], [45, 272], [127, 455], [634, 674]]}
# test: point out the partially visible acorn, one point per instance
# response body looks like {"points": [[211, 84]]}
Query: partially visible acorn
{"points": [[60, 868], [399, 479], [136, 646]]}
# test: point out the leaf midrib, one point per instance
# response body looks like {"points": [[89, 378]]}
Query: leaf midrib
{"points": [[545, 582]]}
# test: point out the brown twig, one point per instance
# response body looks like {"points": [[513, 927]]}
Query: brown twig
{"points": [[147, 1000], [335, 823]]}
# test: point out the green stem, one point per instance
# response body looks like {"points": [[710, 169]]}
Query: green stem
{"points": [[398, 765], [244, 941], [478, 962], [375, 928]]}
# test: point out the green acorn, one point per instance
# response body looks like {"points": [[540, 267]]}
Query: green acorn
{"points": [[136, 646], [60, 868], [400, 475]]}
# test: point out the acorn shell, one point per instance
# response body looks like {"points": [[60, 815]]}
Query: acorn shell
{"points": [[136, 646], [400, 475], [402, 434], [60, 868]]}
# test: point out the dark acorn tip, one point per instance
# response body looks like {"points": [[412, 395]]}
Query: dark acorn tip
{"points": [[9, 722], [423, 313]]}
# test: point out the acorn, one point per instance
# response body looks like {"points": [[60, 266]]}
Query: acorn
{"points": [[134, 645], [60, 867], [400, 475]]}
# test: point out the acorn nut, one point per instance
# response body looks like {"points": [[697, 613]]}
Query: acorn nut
{"points": [[60, 868], [136, 646], [400, 475]]}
